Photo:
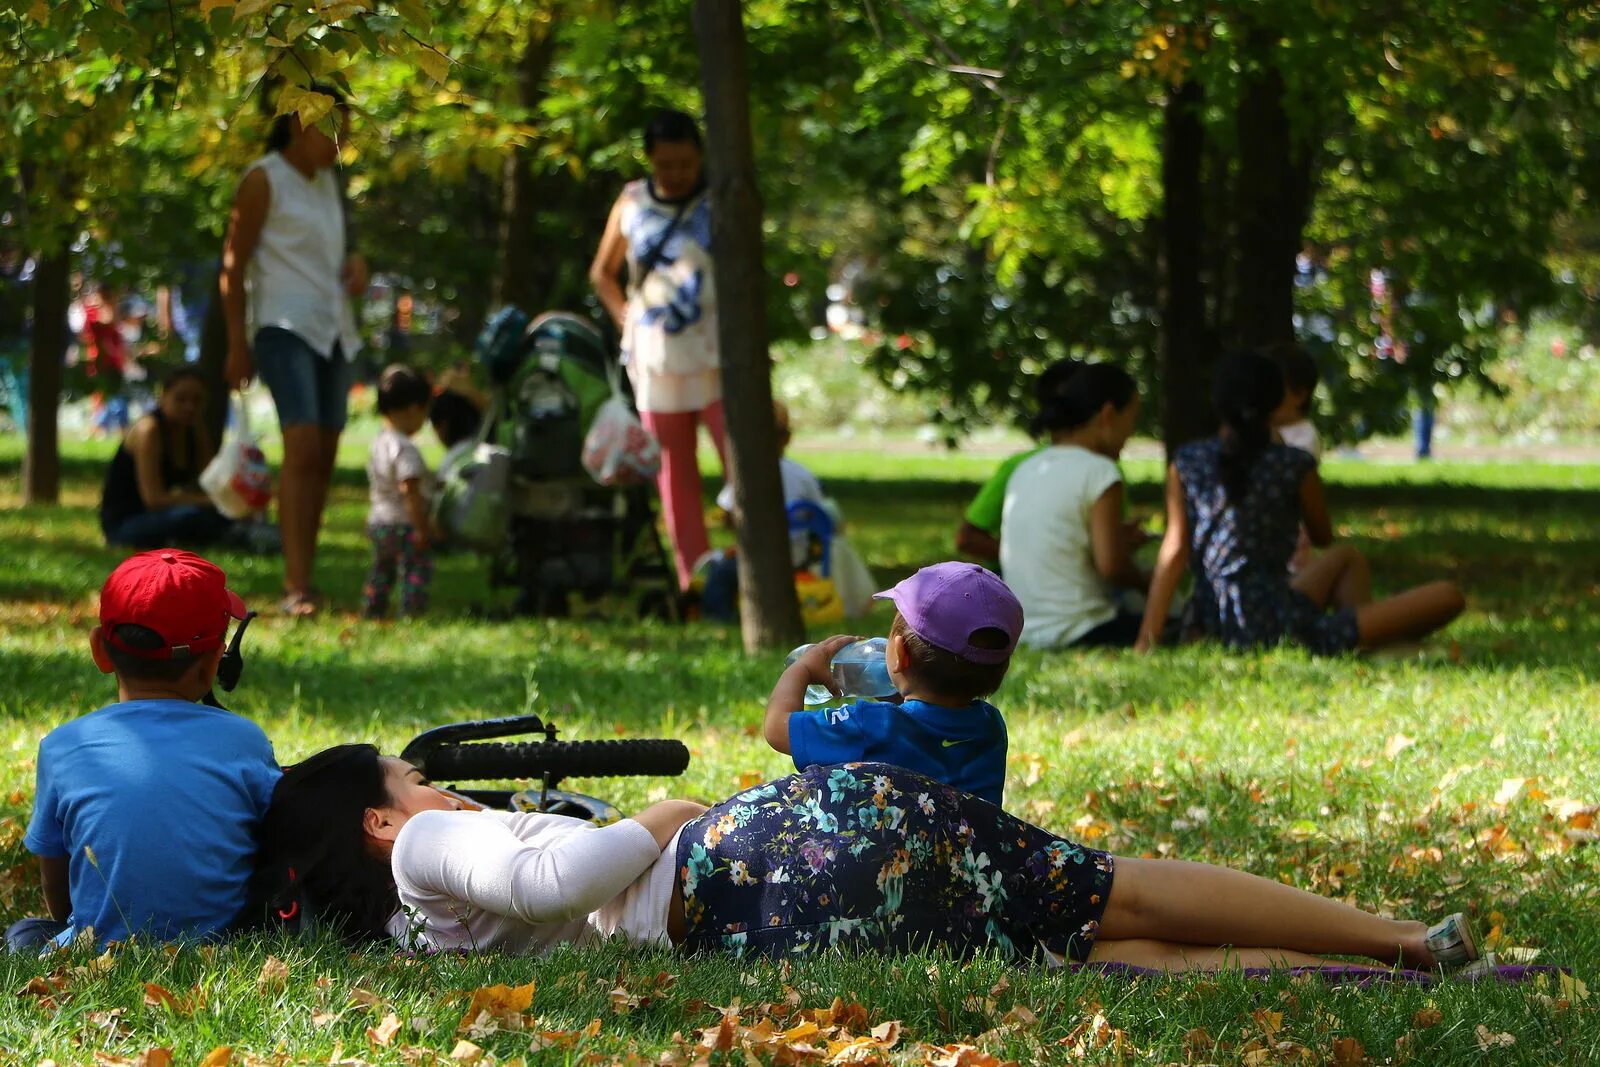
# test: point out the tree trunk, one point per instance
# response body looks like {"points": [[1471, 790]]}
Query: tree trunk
{"points": [[41, 466], [214, 360], [1272, 199], [525, 269], [1187, 351], [769, 609]]}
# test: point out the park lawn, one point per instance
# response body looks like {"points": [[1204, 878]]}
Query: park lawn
{"points": [[1460, 778]]}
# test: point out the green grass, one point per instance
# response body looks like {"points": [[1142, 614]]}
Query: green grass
{"points": [[1279, 764]]}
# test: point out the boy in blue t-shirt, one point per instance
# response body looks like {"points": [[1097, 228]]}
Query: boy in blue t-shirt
{"points": [[953, 634], [145, 811]]}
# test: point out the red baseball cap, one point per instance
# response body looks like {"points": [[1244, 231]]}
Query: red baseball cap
{"points": [[179, 595]]}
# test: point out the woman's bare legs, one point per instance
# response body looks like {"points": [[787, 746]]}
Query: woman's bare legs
{"points": [[1196, 904], [1338, 578], [301, 493], [1171, 956], [1410, 615]]}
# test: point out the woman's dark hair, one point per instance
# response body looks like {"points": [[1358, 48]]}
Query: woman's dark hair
{"points": [[183, 373], [282, 130], [1076, 392], [313, 850], [670, 125], [1298, 368], [946, 673], [1248, 387], [401, 387], [455, 417]]}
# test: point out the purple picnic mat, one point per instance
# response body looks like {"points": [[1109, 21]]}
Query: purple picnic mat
{"points": [[1346, 975]]}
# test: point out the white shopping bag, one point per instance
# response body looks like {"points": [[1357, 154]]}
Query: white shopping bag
{"points": [[618, 450], [238, 480]]}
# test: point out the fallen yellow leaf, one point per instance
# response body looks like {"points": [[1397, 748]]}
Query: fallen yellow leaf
{"points": [[383, 1033], [274, 974]]}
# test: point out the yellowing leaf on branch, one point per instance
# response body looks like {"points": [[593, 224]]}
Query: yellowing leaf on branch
{"points": [[245, 8], [339, 10], [432, 63]]}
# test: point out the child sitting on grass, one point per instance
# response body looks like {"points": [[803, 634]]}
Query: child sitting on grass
{"points": [[398, 487], [145, 811], [949, 647]]}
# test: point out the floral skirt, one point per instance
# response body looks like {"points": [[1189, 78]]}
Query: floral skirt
{"points": [[867, 856]]}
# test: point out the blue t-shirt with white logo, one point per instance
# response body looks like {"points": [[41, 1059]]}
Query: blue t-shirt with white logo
{"points": [[962, 747], [155, 804]]}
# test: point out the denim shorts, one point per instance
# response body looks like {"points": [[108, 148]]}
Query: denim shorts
{"points": [[305, 387]]}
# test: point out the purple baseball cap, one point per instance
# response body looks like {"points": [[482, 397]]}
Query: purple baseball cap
{"points": [[947, 603]]}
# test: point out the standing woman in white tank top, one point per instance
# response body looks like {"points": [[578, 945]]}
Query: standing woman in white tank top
{"points": [[660, 228], [286, 248]]}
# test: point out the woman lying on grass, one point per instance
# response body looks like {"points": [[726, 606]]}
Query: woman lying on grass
{"points": [[863, 856]]}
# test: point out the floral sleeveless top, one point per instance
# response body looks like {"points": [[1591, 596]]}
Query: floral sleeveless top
{"points": [[669, 337]]}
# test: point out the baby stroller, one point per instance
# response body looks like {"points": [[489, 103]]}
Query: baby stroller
{"points": [[565, 543]]}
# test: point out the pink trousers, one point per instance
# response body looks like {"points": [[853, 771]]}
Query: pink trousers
{"points": [[678, 481]]}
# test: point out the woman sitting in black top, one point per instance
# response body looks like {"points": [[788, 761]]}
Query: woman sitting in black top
{"points": [[152, 495]]}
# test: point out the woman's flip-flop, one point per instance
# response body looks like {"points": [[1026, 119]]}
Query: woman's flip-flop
{"points": [[299, 605]]}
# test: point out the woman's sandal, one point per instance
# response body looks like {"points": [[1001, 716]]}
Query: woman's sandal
{"points": [[300, 605]]}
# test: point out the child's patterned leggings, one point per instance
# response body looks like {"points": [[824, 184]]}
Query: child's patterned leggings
{"points": [[869, 856], [394, 553]]}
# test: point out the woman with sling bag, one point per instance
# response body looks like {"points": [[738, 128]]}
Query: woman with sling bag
{"points": [[661, 228]]}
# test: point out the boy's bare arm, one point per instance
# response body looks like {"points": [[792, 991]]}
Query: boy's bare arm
{"points": [[789, 695], [57, 890]]}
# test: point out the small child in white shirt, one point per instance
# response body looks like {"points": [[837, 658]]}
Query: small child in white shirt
{"points": [[1292, 423], [398, 484], [1292, 420]]}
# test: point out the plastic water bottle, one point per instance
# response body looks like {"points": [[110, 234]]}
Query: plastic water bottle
{"points": [[859, 670]]}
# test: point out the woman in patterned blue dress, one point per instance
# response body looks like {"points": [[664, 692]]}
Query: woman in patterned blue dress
{"points": [[1235, 505], [855, 856]]}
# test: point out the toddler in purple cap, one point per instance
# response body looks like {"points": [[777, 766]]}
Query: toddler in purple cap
{"points": [[953, 634]]}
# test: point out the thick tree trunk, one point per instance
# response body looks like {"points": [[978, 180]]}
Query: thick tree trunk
{"points": [[1272, 200], [525, 269], [41, 466], [769, 609], [1187, 351]]}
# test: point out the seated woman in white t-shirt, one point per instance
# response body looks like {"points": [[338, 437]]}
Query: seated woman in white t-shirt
{"points": [[1064, 547]]}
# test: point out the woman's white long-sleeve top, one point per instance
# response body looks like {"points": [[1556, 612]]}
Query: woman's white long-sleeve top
{"points": [[521, 882]]}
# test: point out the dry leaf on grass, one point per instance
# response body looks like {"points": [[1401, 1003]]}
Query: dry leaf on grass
{"points": [[960, 1056], [221, 1056], [385, 1031], [150, 1057], [1488, 1039], [1397, 744], [496, 1007], [466, 1052], [274, 974], [1347, 1052], [1427, 1017]]}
